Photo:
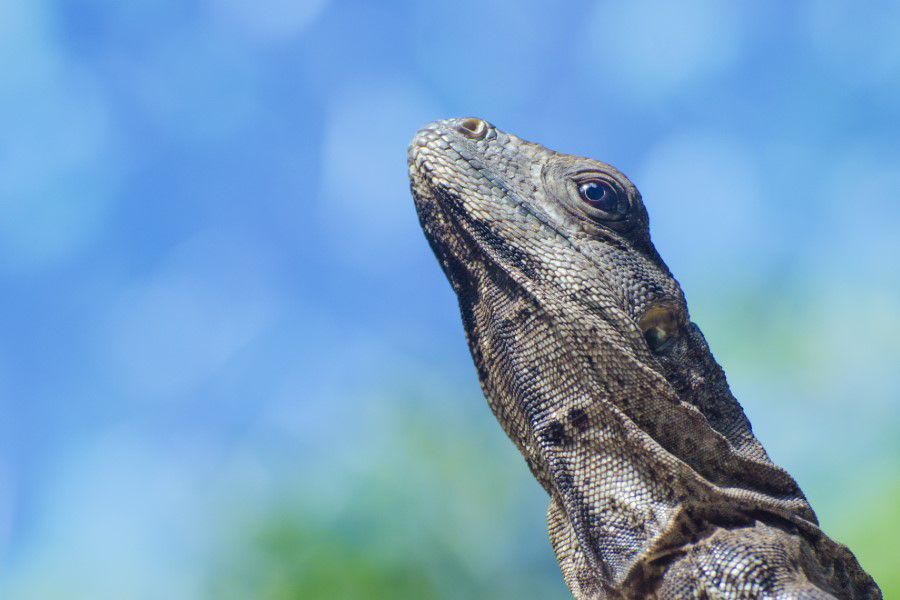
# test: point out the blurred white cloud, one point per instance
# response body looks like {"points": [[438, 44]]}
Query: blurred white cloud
{"points": [[489, 57], [266, 20], [364, 204], [172, 331], [645, 50], [119, 519], [703, 195], [7, 508], [28, 48], [858, 41], [59, 159], [857, 196], [195, 88]]}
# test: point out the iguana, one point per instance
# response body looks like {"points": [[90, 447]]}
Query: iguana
{"points": [[588, 358]]}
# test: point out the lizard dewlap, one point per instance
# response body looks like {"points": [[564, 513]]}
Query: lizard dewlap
{"points": [[587, 356]]}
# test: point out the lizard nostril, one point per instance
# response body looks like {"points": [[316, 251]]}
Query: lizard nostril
{"points": [[472, 128]]}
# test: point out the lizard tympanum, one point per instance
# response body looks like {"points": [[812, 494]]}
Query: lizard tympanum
{"points": [[588, 358]]}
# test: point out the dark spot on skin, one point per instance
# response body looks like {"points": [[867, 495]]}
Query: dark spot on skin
{"points": [[579, 419], [768, 581], [690, 446], [590, 361], [564, 482], [505, 324], [466, 292], [554, 434]]}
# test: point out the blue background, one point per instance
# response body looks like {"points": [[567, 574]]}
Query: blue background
{"points": [[230, 366]]}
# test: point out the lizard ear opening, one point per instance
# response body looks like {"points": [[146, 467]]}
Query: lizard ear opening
{"points": [[660, 324]]}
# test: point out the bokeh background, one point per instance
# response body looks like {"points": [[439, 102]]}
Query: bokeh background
{"points": [[230, 366]]}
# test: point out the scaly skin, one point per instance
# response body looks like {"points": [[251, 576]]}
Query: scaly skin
{"points": [[588, 358]]}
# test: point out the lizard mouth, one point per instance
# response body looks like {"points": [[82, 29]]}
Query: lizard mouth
{"points": [[442, 230]]}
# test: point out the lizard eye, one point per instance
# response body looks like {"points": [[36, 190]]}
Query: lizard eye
{"points": [[599, 195], [603, 198], [659, 326]]}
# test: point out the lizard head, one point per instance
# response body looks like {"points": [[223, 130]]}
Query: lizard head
{"points": [[530, 236], [549, 222]]}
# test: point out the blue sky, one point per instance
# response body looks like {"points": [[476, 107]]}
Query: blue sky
{"points": [[212, 270]]}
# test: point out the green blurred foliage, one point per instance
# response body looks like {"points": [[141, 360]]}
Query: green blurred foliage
{"points": [[292, 559], [448, 511], [871, 533]]}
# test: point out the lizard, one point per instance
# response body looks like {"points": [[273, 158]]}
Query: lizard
{"points": [[589, 360]]}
